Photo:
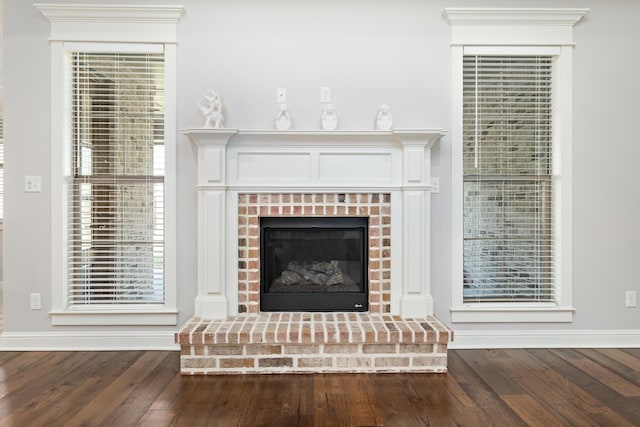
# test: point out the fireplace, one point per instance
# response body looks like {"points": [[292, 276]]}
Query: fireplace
{"points": [[285, 186], [246, 175], [314, 264]]}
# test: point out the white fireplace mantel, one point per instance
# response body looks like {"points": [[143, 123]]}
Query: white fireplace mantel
{"points": [[233, 161]]}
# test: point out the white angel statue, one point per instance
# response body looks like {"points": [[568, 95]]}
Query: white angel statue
{"points": [[211, 108]]}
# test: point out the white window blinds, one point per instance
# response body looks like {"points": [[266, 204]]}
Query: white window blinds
{"points": [[507, 178], [116, 189]]}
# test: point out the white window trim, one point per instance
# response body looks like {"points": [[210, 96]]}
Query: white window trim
{"points": [[109, 24], [529, 30]]}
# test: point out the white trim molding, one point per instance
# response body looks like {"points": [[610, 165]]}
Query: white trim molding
{"points": [[513, 26], [88, 341], [508, 314], [587, 338], [120, 27], [547, 31], [114, 23]]}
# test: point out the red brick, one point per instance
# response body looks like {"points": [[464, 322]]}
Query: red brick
{"points": [[379, 348], [224, 350], [301, 349], [340, 348], [237, 363], [391, 361], [416, 348], [275, 362], [315, 362], [430, 361], [263, 349], [353, 362]]}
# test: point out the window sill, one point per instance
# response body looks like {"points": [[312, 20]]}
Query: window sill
{"points": [[504, 314], [114, 318]]}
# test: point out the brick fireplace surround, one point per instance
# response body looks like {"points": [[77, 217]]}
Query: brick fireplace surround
{"points": [[240, 179]]}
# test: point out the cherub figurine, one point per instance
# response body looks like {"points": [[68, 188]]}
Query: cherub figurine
{"points": [[211, 108], [383, 119], [329, 117]]}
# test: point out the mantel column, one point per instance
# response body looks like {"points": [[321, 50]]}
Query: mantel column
{"points": [[211, 301], [416, 300]]}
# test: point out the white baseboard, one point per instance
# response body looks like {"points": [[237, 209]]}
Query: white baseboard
{"points": [[87, 341], [620, 338], [122, 341]]}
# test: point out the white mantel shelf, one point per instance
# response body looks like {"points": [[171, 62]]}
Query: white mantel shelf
{"points": [[345, 132], [235, 161], [429, 136]]}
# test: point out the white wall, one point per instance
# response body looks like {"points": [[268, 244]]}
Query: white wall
{"points": [[369, 52]]}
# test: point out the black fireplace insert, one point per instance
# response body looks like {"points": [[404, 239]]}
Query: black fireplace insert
{"points": [[314, 263]]}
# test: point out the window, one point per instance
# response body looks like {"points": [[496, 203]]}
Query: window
{"points": [[113, 126], [116, 191], [511, 164], [508, 179]]}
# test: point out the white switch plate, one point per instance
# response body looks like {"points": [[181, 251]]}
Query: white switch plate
{"points": [[325, 94], [435, 185], [32, 184], [631, 299], [281, 95], [36, 301]]}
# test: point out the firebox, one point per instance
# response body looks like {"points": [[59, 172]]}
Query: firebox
{"points": [[314, 263]]}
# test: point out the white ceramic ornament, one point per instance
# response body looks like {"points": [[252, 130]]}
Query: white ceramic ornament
{"points": [[283, 118], [211, 108], [329, 117], [383, 118]]}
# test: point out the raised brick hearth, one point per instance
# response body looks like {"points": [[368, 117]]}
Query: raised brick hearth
{"points": [[313, 342]]}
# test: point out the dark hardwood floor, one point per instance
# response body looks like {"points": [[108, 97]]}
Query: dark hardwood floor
{"points": [[548, 387]]}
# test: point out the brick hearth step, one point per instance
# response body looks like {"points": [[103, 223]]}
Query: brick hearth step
{"points": [[313, 342]]}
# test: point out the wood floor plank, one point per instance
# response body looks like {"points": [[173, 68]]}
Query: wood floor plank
{"points": [[413, 399], [201, 399], [606, 397], [563, 398], [531, 411], [19, 389], [329, 401], [362, 401], [279, 400], [75, 383], [623, 356], [398, 400], [605, 376], [20, 371], [483, 363], [492, 410], [145, 393], [623, 364], [87, 381], [116, 392]]}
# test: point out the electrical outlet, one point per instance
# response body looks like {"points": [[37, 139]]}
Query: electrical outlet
{"points": [[36, 301], [282, 95], [435, 185], [631, 299], [32, 184], [325, 94]]}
